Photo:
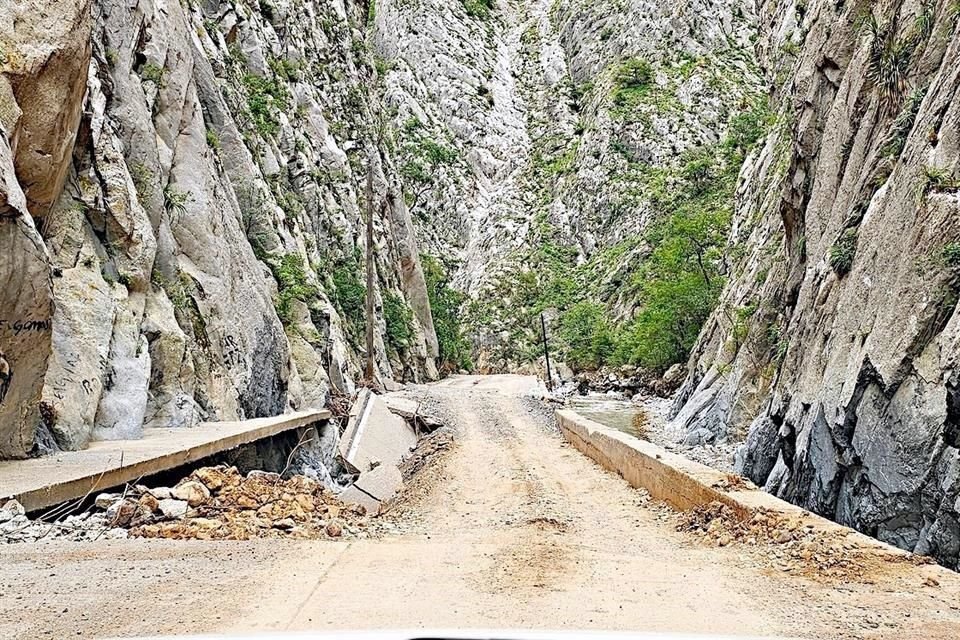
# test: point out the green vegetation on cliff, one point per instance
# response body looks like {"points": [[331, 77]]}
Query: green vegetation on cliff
{"points": [[664, 283], [446, 304]]}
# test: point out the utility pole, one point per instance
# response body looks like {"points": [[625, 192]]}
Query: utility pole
{"points": [[546, 351], [370, 279]]}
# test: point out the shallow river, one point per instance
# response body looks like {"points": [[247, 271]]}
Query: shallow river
{"points": [[610, 412]]}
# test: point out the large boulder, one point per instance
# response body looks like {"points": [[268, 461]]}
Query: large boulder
{"points": [[25, 316], [48, 51]]}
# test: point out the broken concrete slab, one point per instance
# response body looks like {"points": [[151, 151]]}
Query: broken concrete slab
{"points": [[373, 488], [374, 433], [353, 495], [413, 411], [382, 483], [403, 407]]}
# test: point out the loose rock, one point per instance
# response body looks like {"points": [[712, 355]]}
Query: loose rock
{"points": [[173, 509], [192, 492]]}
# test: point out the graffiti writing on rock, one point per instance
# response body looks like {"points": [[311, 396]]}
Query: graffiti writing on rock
{"points": [[26, 326]]}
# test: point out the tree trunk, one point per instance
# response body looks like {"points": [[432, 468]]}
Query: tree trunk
{"points": [[369, 372]]}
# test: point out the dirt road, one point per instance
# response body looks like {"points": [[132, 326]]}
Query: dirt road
{"points": [[514, 529]]}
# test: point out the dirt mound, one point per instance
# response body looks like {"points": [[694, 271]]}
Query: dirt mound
{"points": [[218, 503], [790, 544]]}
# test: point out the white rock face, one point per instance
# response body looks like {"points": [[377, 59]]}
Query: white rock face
{"points": [[845, 389], [186, 246], [541, 154]]}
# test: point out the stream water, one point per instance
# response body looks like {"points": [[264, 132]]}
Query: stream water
{"points": [[619, 414], [611, 412]]}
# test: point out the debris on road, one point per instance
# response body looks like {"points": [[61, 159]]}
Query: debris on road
{"points": [[789, 544], [373, 488], [429, 447], [219, 503]]}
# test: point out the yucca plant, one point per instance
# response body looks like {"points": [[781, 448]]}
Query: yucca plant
{"points": [[935, 179], [889, 61], [843, 251], [896, 138], [175, 203], [888, 71]]}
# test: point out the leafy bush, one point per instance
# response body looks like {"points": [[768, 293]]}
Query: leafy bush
{"points": [[478, 8], [399, 319], [291, 277], [349, 295], [634, 74], [951, 255], [747, 127], [213, 140], [446, 304], [843, 251], [587, 337], [264, 95], [422, 158], [152, 73], [633, 81], [142, 181]]}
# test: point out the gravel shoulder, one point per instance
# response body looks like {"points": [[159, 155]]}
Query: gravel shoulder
{"points": [[506, 528]]}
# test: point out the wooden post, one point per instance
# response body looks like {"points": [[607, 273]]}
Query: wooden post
{"points": [[370, 267], [546, 351]]}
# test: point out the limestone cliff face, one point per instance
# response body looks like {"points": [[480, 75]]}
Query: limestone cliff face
{"points": [[835, 346], [542, 154], [182, 226]]}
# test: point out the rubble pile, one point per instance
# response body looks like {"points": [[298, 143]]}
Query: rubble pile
{"points": [[430, 446], [218, 503], [789, 544], [15, 526], [212, 503]]}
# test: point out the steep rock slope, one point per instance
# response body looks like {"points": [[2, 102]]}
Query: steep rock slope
{"points": [[182, 222], [834, 348], [544, 130]]}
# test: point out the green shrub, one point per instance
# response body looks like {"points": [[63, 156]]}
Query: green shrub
{"points": [[478, 8], [747, 127], [951, 255], [446, 306], [843, 251], [291, 277], [634, 79], [264, 96], [399, 320], [142, 181], [349, 295], [422, 158], [152, 73], [634, 74], [587, 337], [213, 140]]}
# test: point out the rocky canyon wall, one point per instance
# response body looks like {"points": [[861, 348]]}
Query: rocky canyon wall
{"points": [[182, 226], [834, 349], [533, 154]]}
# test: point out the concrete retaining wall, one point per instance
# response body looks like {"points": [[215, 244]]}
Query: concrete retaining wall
{"points": [[685, 484]]}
